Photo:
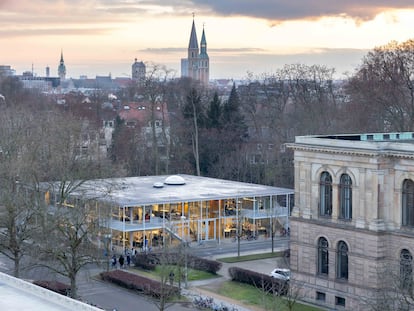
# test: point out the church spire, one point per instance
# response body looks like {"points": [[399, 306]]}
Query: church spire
{"points": [[203, 45], [197, 64], [193, 44], [62, 67]]}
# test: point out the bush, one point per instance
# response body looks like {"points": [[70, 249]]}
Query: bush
{"points": [[150, 260], [259, 280], [145, 261], [139, 283], [55, 286], [203, 264]]}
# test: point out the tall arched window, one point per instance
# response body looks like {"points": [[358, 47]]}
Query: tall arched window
{"points": [[408, 203], [323, 256], [342, 261], [345, 197], [325, 208], [406, 269]]}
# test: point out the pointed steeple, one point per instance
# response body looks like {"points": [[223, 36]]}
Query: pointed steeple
{"points": [[193, 44], [62, 67], [193, 52], [203, 45]]}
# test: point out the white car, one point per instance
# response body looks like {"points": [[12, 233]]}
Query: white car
{"points": [[282, 274]]}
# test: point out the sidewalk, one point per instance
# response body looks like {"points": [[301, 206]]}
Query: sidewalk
{"points": [[107, 295], [211, 287]]}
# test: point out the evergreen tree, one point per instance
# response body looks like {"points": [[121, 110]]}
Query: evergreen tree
{"points": [[214, 113], [233, 120]]}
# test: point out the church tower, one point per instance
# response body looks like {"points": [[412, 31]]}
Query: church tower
{"points": [[204, 61], [62, 68], [138, 71], [193, 52], [197, 64]]}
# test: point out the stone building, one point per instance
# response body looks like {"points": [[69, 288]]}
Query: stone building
{"points": [[138, 70], [352, 226], [197, 63]]}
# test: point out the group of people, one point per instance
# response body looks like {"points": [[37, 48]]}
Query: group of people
{"points": [[121, 261]]}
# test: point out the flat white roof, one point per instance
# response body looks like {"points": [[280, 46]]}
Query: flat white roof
{"points": [[386, 144], [17, 294], [147, 190]]}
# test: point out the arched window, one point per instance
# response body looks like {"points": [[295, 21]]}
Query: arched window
{"points": [[323, 256], [408, 203], [325, 208], [345, 197], [342, 261], [406, 269]]}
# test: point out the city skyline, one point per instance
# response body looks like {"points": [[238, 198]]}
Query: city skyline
{"points": [[101, 37]]}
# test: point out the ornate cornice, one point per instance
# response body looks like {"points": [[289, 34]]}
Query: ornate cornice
{"points": [[385, 153]]}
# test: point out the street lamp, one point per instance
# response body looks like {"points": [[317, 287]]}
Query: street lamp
{"points": [[184, 242]]}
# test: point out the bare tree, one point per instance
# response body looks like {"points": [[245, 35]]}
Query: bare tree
{"points": [[154, 91], [168, 276], [69, 245], [381, 92], [18, 134], [194, 113], [395, 291], [70, 222]]}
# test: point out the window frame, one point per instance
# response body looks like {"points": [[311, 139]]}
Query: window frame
{"points": [[342, 261], [323, 256], [407, 202], [325, 194], [345, 197]]}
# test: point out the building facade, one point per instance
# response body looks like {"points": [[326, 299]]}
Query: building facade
{"points": [[148, 211], [352, 225], [197, 63], [138, 71]]}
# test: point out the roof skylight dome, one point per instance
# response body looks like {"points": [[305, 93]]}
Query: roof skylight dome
{"points": [[174, 180]]}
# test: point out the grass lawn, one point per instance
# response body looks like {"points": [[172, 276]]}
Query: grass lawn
{"points": [[192, 275], [250, 257], [250, 295]]}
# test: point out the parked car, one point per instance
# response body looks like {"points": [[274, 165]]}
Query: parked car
{"points": [[282, 274]]}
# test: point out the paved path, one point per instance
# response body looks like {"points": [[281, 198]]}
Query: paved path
{"points": [[110, 297]]}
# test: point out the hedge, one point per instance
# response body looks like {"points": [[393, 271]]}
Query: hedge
{"points": [[150, 260], [141, 284], [55, 286]]}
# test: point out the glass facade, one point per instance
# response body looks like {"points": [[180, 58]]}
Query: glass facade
{"points": [[150, 226]]}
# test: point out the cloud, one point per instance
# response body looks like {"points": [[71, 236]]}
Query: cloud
{"points": [[211, 50], [36, 32], [284, 10], [123, 11]]}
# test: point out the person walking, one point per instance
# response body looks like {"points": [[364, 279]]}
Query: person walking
{"points": [[121, 261]]}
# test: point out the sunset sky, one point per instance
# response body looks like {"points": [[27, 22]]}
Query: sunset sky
{"points": [[99, 37]]}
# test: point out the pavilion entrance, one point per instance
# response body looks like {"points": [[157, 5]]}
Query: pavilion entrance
{"points": [[207, 229]]}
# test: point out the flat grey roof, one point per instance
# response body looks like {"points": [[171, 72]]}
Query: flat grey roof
{"points": [[17, 294], [132, 191], [373, 144]]}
